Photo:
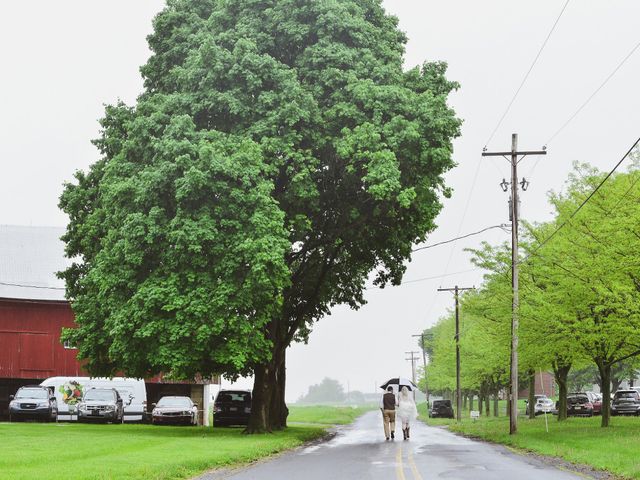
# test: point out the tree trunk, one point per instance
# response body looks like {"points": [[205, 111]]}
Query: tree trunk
{"points": [[278, 411], [605, 379], [487, 404], [471, 399], [263, 386], [464, 401], [532, 394], [268, 409], [480, 398], [561, 373], [615, 382], [496, 405]]}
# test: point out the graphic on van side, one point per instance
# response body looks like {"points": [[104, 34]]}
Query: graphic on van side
{"points": [[71, 392]]}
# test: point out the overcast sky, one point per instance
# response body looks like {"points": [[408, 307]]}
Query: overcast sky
{"points": [[61, 61]]}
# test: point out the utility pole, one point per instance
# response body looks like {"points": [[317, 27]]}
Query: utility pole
{"points": [[456, 291], [424, 364], [412, 359], [512, 157]]}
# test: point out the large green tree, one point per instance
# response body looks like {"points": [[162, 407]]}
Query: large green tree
{"points": [[279, 154]]}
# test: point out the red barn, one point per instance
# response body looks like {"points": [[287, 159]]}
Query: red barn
{"points": [[33, 311]]}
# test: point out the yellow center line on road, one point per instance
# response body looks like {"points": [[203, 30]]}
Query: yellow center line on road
{"points": [[399, 468], [414, 467]]}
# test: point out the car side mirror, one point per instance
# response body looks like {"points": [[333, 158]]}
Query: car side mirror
{"points": [[153, 405], [195, 404], [52, 398], [11, 397]]}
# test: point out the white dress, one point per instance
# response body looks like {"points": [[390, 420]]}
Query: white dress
{"points": [[406, 411]]}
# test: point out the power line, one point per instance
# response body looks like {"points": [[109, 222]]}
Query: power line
{"points": [[584, 202], [526, 76], [437, 277], [502, 226], [595, 92], [30, 286]]}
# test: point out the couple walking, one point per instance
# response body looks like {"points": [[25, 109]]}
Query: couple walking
{"points": [[404, 408]]}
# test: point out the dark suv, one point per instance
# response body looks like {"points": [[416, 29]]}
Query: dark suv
{"points": [[33, 402], [441, 408], [626, 402], [232, 407], [101, 404], [579, 404]]}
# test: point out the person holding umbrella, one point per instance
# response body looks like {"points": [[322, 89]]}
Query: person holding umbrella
{"points": [[388, 408]]}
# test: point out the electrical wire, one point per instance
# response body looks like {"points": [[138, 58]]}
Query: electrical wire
{"points": [[595, 92], [436, 277], [526, 76], [502, 226], [30, 286], [583, 203]]}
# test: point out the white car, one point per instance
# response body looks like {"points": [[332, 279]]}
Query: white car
{"points": [[543, 405], [175, 410]]}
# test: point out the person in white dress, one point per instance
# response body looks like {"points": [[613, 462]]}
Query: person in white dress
{"points": [[406, 411]]}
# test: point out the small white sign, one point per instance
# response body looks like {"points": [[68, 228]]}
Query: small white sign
{"points": [[475, 414]]}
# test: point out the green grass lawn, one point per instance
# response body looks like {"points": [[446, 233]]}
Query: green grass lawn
{"points": [[578, 440], [325, 415], [79, 451]]}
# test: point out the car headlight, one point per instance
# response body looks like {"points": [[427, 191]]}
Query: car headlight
{"points": [[43, 405], [14, 403], [82, 408], [110, 408]]}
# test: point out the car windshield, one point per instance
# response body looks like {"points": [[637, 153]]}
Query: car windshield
{"points": [[441, 403], [37, 393], [632, 395], [234, 397], [174, 402], [544, 401], [578, 399], [99, 395]]}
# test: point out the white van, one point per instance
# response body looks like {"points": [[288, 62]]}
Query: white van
{"points": [[69, 392]]}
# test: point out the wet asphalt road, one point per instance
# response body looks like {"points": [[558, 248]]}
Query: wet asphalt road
{"points": [[359, 451]]}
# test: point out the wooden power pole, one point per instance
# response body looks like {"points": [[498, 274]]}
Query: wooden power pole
{"points": [[412, 358], [456, 290], [424, 365], [512, 156]]}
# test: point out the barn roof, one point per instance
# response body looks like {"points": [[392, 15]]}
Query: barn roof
{"points": [[29, 260]]}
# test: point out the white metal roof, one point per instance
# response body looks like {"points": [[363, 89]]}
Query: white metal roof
{"points": [[29, 260]]}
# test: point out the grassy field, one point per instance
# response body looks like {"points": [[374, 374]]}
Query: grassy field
{"points": [[325, 415], [80, 451], [578, 440]]}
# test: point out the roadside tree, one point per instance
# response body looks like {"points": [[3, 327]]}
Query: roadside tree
{"points": [[279, 154]]}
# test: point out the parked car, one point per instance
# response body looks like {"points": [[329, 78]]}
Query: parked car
{"points": [[596, 401], [536, 398], [69, 392], [102, 405], [543, 405], [626, 402], [579, 404], [232, 407], [441, 409], [33, 402], [175, 410]]}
